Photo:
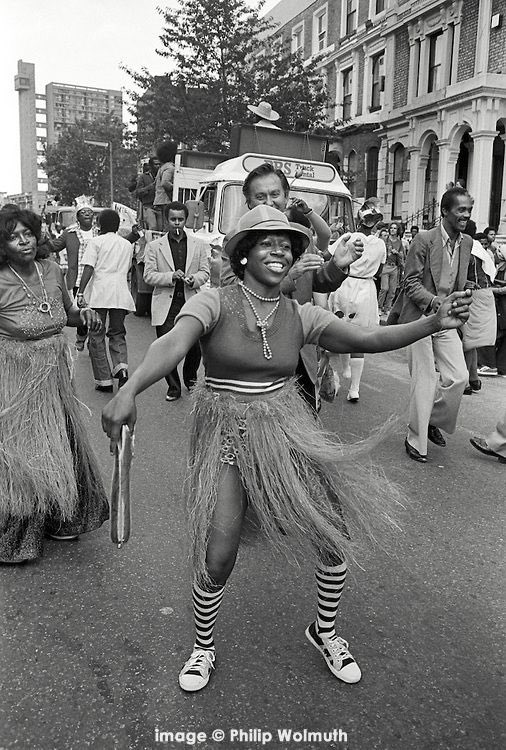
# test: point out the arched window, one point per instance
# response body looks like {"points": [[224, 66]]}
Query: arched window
{"points": [[372, 172], [398, 181]]}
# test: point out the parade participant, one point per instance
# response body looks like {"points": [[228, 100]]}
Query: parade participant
{"points": [[74, 240], [176, 265], [495, 443], [267, 115], [49, 479], [164, 183], [436, 265], [253, 440], [481, 328], [268, 186], [106, 263], [356, 298], [492, 359], [391, 271], [145, 193], [413, 232]]}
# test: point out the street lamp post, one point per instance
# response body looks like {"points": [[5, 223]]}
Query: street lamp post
{"points": [[106, 144]]}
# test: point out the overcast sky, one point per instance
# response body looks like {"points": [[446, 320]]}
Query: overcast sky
{"points": [[72, 41]]}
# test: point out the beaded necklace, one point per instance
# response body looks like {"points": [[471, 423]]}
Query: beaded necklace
{"points": [[262, 324], [44, 304]]}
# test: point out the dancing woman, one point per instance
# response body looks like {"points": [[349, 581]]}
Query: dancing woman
{"points": [[50, 482], [255, 442]]}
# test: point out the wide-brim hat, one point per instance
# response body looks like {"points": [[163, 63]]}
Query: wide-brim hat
{"points": [[265, 111], [264, 219]]}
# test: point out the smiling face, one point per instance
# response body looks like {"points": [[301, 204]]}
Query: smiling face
{"points": [[269, 260], [21, 246], [456, 217], [267, 190]]}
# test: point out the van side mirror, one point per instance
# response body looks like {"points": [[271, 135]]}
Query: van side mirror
{"points": [[195, 220]]}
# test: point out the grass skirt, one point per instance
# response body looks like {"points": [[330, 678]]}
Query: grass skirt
{"points": [[297, 477], [47, 466]]}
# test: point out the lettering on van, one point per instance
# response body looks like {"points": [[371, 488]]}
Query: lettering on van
{"points": [[310, 170]]}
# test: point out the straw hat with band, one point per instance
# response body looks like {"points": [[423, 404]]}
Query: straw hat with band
{"points": [[264, 219]]}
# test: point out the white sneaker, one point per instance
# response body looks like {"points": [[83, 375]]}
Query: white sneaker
{"points": [[337, 657], [197, 670], [353, 396], [490, 371]]}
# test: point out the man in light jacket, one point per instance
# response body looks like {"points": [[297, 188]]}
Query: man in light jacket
{"points": [[176, 265], [436, 265]]}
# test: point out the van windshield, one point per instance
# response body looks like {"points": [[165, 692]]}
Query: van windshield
{"points": [[233, 206]]}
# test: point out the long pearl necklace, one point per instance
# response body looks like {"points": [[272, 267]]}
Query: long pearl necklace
{"points": [[44, 304], [262, 324]]}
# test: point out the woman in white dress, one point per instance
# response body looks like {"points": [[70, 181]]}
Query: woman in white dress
{"points": [[356, 299]]}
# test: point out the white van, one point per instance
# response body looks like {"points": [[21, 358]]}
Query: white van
{"points": [[221, 192]]}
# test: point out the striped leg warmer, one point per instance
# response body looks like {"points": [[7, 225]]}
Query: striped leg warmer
{"points": [[330, 582], [206, 605]]}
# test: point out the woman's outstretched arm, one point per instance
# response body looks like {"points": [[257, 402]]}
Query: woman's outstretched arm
{"points": [[343, 338]]}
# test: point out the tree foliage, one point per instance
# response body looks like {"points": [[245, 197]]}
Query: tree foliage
{"points": [[74, 167], [213, 50]]}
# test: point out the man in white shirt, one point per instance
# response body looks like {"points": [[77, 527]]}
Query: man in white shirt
{"points": [[107, 260]]}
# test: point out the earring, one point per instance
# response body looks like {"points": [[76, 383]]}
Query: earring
{"points": [[243, 261]]}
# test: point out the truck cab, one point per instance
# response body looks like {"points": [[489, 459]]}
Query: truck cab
{"points": [[318, 183]]}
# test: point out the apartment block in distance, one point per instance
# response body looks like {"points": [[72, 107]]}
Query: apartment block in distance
{"points": [[44, 117], [418, 91]]}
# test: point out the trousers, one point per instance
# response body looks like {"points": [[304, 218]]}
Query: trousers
{"points": [[438, 378], [113, 326], [193, 357]]}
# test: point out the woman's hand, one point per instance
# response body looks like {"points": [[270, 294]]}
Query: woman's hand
{"points": [[90, 318], [346, 252], [454, 310], [119, 411]]}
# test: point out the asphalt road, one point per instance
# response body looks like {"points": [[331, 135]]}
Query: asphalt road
{"points": [[93, 638]]}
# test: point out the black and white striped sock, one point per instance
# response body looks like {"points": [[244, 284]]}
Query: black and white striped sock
{"points": [[330, 582], [206, 605]]}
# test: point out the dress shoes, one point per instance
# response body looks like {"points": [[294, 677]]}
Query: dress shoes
{"points": [[173, 394], [481, 445], [436, 436], [122, 376], [414, 454]]}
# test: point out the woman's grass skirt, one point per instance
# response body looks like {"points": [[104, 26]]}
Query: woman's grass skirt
{"points": [[49, 477], [299, 479]]}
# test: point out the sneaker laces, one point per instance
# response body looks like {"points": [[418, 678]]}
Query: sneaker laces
{"points": [[338, 648], [200, 661]]}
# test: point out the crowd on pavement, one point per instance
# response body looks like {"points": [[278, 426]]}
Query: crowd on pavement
{"points": [[278, 313]]}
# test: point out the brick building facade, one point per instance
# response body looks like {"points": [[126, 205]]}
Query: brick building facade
{"points": [[421, 88]]}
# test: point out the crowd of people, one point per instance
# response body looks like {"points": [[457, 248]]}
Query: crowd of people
{"points": [[291, 292]]}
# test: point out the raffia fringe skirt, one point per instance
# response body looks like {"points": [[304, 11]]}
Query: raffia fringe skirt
{"points": [[299, 479], [47, 466]]}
